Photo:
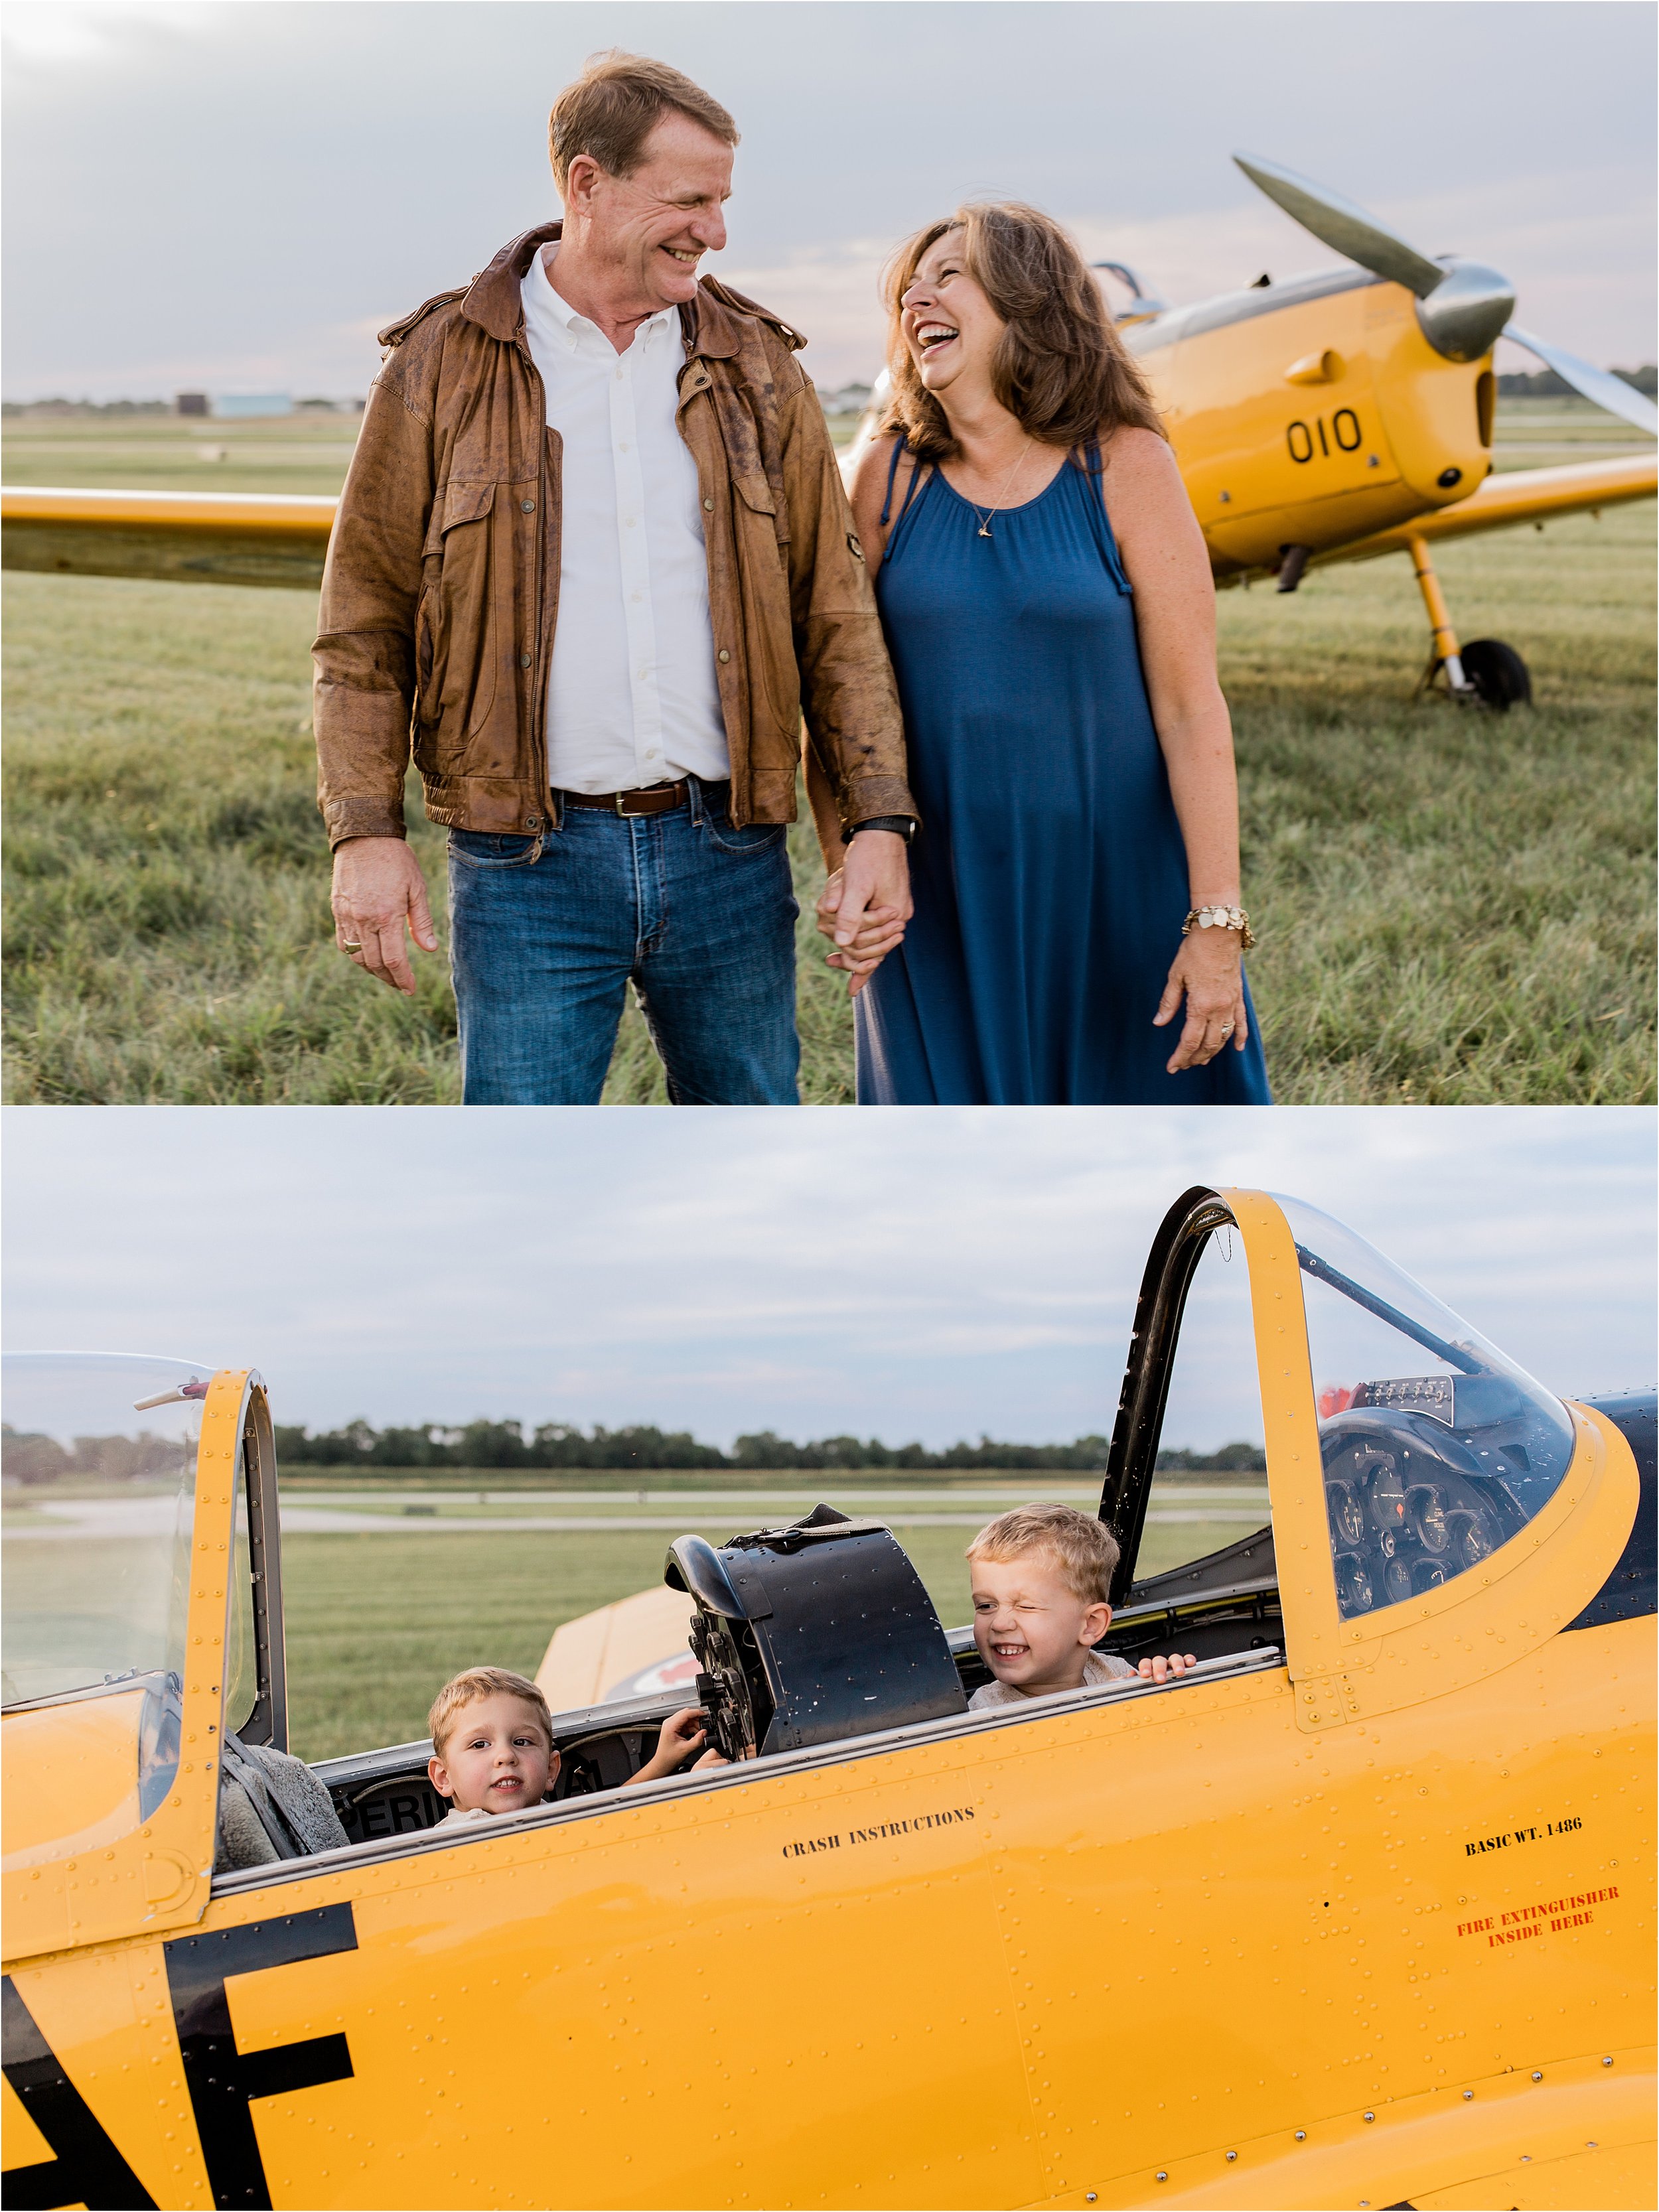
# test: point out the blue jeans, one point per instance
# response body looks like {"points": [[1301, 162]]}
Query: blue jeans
{"points": [[546, 934]]}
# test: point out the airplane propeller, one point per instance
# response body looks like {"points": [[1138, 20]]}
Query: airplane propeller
{"points": [[1461, 306]]}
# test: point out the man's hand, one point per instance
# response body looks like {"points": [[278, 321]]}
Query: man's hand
{"points": [[378, 887], [865, 904]]}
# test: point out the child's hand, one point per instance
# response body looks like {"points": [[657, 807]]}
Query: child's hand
{"points": [[712, 1757], [1161, 1669], [682, 1733], [682, 1736]]}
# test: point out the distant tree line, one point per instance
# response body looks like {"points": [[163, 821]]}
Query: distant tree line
{"points": [[1545, 384], [30, 1457], [558, 1444]]}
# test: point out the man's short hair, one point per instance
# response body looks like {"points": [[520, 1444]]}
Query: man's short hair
{"points": [[1084, 1549], [473, 1683], [613, 106]]}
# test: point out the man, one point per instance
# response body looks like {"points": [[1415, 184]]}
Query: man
{"points": [[592, 561]]}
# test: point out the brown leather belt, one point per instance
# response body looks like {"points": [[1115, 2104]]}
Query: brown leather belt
{"points": [[654, 798]]}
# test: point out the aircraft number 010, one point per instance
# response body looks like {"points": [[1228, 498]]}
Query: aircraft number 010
{"points": [[1345, 429]]}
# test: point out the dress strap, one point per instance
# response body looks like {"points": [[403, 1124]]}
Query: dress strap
{"points": [[892, 470], [910, 489]]}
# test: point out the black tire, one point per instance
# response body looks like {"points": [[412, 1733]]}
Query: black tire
{"points": [[1498, 673]]}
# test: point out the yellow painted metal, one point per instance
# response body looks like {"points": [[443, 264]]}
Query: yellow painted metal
{"points": [[288, 514], [1446, 647], [1521, 496], [1267, 466], [1188, 1945], [100, 1872]]}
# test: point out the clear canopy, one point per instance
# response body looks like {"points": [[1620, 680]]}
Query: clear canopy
{"points": [[99, 1495], [1436, 1448]]}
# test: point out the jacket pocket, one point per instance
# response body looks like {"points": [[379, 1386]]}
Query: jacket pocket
{"points": [[762, 536], [455, 650]]}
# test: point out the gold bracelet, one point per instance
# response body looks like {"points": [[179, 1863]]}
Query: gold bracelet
{"points": [[1221, 917]]}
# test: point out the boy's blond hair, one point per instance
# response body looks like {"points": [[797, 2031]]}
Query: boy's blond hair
{"points": [[475, 1682], [1084, 1549]]}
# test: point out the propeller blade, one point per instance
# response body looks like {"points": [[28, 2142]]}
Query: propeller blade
{"points": [[1340, 224], [1597, 383]]}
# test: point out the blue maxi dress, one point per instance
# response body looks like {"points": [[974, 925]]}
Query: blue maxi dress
{"points": [[1049, 874]]}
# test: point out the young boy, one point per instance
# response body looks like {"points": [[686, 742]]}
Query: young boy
{"points": [[1042, 1576], [492, 1745]]}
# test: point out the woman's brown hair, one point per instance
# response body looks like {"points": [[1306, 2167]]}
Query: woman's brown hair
{"points": [[1059, 367]]}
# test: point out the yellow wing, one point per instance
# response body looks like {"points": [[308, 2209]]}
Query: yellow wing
{"points": [[184, 537], [1519, 495]]}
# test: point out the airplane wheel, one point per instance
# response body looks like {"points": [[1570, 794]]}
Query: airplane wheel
{"points": [[1498, 673]]}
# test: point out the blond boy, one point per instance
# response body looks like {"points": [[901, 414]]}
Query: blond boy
{"points": [[493, 1750], [1042, 1584]]}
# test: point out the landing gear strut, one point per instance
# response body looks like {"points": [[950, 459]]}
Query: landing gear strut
{"points": [[1486, 671]]}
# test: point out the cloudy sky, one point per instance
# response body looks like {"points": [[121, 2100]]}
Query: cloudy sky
{"points": [[237, 194], [932, 1274]]}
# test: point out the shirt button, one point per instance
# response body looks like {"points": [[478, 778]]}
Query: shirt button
{"points": [[724, 654], [709, 504], [528, 505], [524, 660]]}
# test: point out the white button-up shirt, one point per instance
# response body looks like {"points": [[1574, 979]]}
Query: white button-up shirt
{"points": [[632, 697]]}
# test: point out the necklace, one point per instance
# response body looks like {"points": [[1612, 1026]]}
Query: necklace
{"points": [[985, 515]]}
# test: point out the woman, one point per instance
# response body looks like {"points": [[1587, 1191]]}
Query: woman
{"points": [[1047, 601]]}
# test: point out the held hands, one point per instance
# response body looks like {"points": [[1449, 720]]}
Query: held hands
{"points": [[865, 904], [378, 887], [1208, 972], [1161, 1669]]}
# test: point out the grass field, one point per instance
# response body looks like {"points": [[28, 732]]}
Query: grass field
{"points": [[1454, 907]]}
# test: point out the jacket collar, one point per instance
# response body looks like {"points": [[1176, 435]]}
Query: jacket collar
{"points": [[493, 300]]}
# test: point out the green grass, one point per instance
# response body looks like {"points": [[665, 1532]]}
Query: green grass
{"points": [[1454, 907], [376, 1623]]}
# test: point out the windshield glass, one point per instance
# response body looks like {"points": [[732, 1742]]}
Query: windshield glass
{"points": [[1436, 1448], [100, 1489]]}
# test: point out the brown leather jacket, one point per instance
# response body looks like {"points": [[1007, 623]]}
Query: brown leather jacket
{"points": [[441, 590]]}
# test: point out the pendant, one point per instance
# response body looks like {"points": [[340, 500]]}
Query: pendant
{"points": [[985, 529]]}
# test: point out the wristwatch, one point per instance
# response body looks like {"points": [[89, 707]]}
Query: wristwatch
{"points": [[902, 825]]}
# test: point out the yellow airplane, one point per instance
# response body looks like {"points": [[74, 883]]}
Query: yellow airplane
{"points": [[1357, 1912], [1348, 414], [1336, 416]]}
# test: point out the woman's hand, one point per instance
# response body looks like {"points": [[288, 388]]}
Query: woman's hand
{"points": [[879, 929], [1208, 972]]}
